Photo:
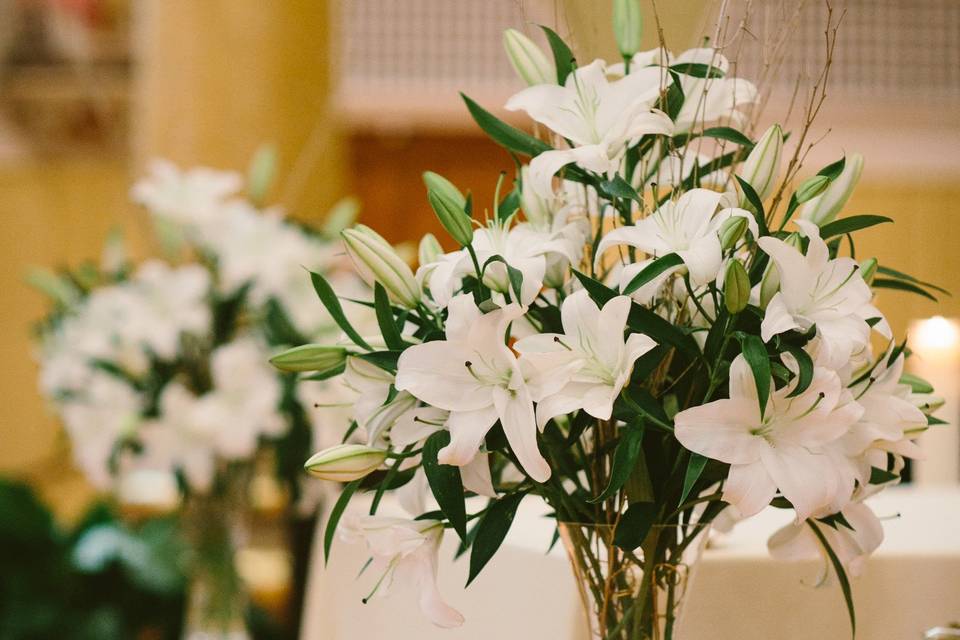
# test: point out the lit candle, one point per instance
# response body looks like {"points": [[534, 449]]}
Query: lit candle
{"points": [[935, 343]]}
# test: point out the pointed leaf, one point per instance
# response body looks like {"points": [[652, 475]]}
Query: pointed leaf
{"points": [[335, 514], [841, 576], [634, 525], [502, 133], [388, 326], [329, 299], [805, 376], [900, 285], [492, 530], [698, 70], [851, 224], [756, 355], [445, 483], [624, 459], [694, 469], [563, 58], [652, 270]]}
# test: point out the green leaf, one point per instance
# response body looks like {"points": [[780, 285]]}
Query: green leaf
{"points": [[445, 483], [727, 133], [329, 299], [502, 133], [508, 205], [698, 70], [634, 525], [882, 476], [620, 188], [805, 376], [917, 384], [491, 531], [388, 326], [756, 355], [694, 469], [900, 285], [515, 275], [900, 275], [841, 576], [652, 270], [851, 224], [624, 459], [673, 100], [335, 515], [563, 58], [834, 169], [756, 203], [386, 360]]}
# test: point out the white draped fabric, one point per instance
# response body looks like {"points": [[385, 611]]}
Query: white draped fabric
{"points": [[912, 583]]}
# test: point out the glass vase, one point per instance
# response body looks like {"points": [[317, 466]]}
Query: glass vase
{"points": [[639, 594], [215, 527]]}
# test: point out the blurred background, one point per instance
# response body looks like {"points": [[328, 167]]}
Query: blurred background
{"points": [[359, 97]]}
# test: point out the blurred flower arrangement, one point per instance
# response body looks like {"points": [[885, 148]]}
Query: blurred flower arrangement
{"points": [[654, 325], [160, 372]]}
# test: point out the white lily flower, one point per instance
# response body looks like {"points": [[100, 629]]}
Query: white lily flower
{"points": [[796, 541], [474, 375], [191, 197], [600, 118], [815, 290], [404, 552], [687, 227], [588, 365], [781, 449], [889, 415]]}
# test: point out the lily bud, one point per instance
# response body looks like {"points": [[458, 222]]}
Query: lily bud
{"points": [[452, 216], [770, 283], [436, 182], [811, 188], [868, 269], [376, 261], [527, 59], [311, 357], [762, 167], [731, 231], [341, 215], [736, 287], [263, 168], [627, 26], [824, 209], [429, 249], [345, 462]]}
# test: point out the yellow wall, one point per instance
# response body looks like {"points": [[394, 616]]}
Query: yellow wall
{"points": [[51, 213]]}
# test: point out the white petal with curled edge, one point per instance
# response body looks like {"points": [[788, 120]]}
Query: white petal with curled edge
{"points": [[515, 409], [777, 319], [476, 476], [467, 430], [749, 488], [721, 430]]}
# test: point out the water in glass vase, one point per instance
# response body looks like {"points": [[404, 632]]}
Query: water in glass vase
{"points": [[638, 594], [217, 600]]}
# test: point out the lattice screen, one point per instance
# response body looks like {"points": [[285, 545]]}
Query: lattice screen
{"points": [[426, 44], [897, 49]]}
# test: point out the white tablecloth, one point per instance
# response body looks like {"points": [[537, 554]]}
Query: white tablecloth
{"points": [[910, 584]]}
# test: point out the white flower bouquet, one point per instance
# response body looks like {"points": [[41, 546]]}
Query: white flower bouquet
{"points": [[160, 370], [653, 326]]}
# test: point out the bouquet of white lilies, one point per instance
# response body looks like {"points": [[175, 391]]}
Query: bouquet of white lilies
{"points": [[649, 328], [163, 366]]}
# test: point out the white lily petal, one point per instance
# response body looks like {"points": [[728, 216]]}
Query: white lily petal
{"points": [[749, 488], [467, 431], [515, 409]]}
